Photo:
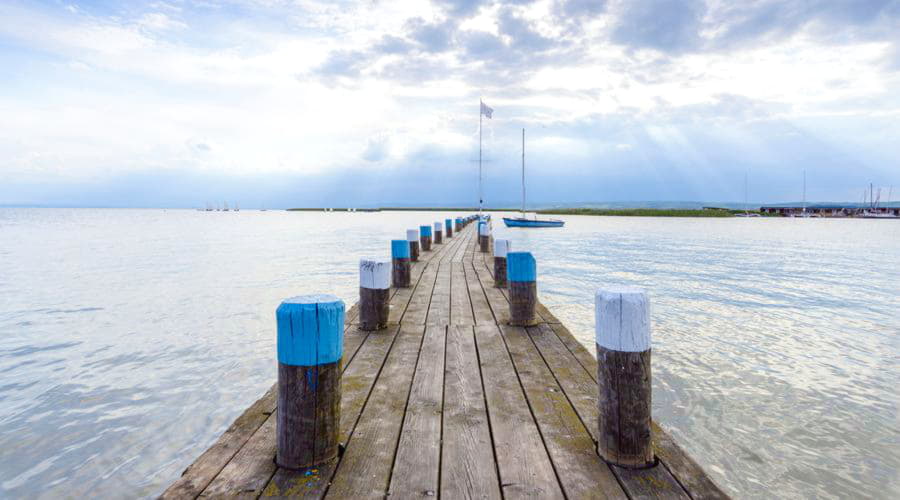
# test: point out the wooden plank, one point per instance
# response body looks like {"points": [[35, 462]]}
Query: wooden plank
{"points": [[247, 473], [460, 306], [688, 473], [581, 471], [365, 468], [482, 313], [356, 383], [199, 474], [495, 298], [468, 469], [525, 468], [439, 309], [417, 463], [655, 482], [417, 310]]}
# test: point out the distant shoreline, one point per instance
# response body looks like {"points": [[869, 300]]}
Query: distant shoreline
{"points": [[617, 212]]}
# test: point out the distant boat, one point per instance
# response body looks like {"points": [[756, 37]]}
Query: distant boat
{"points": [[747, 212], [524, 221]]}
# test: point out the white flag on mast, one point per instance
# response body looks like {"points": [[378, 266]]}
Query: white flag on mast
{"points": [[486, 110]]}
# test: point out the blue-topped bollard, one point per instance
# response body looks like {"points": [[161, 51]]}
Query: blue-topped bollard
{"points": [[374, 294], [310, 346], [522, 275], [400, 262], [425, 237], [457, 224], [438, 233], [448, 227], [412, 235]]}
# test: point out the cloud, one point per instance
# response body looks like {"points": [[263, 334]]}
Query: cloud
{"points": [[665, 25]]}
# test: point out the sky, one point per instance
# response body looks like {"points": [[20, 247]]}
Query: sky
{"points": [[375, 103]]}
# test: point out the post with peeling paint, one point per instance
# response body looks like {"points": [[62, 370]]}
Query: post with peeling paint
{"points": [[622, 317], [438, 233], [484, 236], [310, 345], [412, 235], [400, 262], [374, 294], [448, 227], [501, 248], [425, 238], [458, 224], [522, 275]]}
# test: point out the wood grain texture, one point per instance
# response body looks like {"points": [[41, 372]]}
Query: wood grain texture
{"points": [[425, 242], [525, 468], [417, 463], [581, 472], [624, 404], [374, 308], [522, 300], [400, 273], [468, 468], [500, 272], [365, 468]]}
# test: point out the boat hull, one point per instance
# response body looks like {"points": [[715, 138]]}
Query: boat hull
{"points": [[515, 222]]}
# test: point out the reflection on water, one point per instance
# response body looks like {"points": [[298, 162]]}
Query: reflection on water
{"points": [[129, 339]]}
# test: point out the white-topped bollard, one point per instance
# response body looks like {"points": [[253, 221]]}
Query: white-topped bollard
{"points": [[374, 293], [622, 317], [484, 235], [501, 248], [310, 346], [412, 235], [438, 233]]}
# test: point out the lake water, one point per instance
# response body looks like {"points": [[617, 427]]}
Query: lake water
{"points": [[130, 339]]}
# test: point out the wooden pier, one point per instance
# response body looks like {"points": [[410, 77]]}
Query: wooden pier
{"points": [[450, 401]]}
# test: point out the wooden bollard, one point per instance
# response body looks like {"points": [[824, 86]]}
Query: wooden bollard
{"points": [[484, 236], [623, 374], [425, 238], [400, 263], [448, 227], [438, 233], [308, 415], [501, 248], [374, 294], [412, 235], [522, 275], [457, 224]]}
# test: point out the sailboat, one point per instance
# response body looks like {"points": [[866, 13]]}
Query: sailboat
{"points": [[746, 201], [524, 221]]}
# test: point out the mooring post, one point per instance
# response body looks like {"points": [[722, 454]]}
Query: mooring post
{"points": [[458, 224], [448, 227], [425, 238], [522, 275], [401, 263], [484, 236], [310, 344], [412, 235], [374, 294], [501, 248], [622, 319], [438, 233]]}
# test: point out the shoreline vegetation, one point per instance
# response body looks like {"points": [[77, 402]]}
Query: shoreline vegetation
{"points": [[617, 212]]}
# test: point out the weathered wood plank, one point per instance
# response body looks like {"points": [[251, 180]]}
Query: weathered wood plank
{"points": [[417, 463], [482, 313], [581, 472], [417, 310], [468, 468], [643, 483], [460, 306], [439, 309], [247, 473], [365, 468], [525, 467]]}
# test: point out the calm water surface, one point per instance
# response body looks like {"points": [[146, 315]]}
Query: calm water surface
{"points": [[130, 339]]}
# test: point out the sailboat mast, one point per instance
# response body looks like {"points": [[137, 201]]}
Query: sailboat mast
{"points": [[523, 172], [480, 195]]}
